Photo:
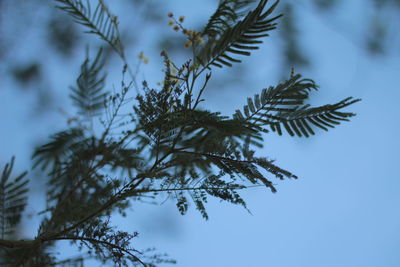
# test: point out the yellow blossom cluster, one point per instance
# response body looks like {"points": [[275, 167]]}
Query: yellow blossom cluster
{"points": [[142, 57], [194, 37], [174, 23]]}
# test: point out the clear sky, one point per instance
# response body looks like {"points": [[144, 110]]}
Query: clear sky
{"points": [[344, 208]]}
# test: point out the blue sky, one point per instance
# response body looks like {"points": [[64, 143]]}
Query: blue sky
{"points": [[343, 209]]}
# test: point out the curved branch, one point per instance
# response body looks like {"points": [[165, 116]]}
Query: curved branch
{"points": [[102, 242]]}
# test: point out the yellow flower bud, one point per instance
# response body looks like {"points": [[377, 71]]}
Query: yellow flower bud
{"points": [[143, 58], [188, 44], [199, 39]]}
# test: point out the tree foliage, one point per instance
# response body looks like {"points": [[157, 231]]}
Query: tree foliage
{"points": [[12, 199], [228, 37], [165, 144]]}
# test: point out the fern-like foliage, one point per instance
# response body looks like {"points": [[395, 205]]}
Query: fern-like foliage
{"points": [[88, 94], [167, 144], [226, 15], [240, 39], [98, 21], [205, 141], [160, 113], [283, 107], [301, 121], [108, 244], [13, 197], [60, 147]]}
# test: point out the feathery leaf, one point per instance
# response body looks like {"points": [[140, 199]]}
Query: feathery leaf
{"points": [[226, 15], [237, 40], [99, 22], [88, 95], [13, 196], [59, 147], [282, 107]]}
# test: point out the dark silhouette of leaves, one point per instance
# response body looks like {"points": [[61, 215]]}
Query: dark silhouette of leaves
{"points": [[89, 95], [239, 39], [13, 197], [283, 107], [98, 21]]}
